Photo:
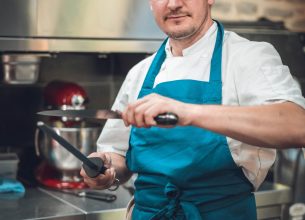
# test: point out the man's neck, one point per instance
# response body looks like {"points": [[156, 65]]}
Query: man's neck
{"points": [[177, 46]]}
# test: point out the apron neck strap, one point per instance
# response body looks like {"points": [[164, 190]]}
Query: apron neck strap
{"points": [[215, 72], [155, 67]]}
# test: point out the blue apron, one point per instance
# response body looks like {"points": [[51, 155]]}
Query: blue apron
{"points": [[187, 172]]}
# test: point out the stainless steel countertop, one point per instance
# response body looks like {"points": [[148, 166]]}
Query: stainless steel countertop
{"points": [[40, 203]]}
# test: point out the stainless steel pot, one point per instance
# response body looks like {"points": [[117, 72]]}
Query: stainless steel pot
{"points": [[20, 69], [84, 138]]}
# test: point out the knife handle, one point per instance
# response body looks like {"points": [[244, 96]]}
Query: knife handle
{"points": [[92, 173], [167, 118], [98, 195]]}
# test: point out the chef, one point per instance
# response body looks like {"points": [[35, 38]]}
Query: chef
{"points": [[235, 101]]}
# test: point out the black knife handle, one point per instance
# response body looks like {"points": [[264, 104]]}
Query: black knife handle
{"points": [[98, 195], [92, 173], [167, 118]]}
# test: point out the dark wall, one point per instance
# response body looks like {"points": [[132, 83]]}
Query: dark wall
{"points": [[100, 75]]}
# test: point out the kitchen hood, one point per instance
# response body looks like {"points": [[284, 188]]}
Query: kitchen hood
{"points": [[78, 26], [102, 26]]}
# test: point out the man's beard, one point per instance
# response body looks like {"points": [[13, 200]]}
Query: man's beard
{"points": [[181, 35]]}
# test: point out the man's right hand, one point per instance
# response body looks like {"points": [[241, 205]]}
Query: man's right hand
{"points": [[102, 181]]}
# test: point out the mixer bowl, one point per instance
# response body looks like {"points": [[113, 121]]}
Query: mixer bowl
{"points": [[83, 138]]}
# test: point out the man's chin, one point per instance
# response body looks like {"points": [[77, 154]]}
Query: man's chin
{"points": [[181, 35]]}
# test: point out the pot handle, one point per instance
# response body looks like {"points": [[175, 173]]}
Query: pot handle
{"points": [[36, 142]]}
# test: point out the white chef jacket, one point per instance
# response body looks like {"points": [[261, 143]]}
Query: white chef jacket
{"points": [[252, 74]]}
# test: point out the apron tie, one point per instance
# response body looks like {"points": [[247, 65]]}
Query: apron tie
{"points": [[173, 193]]}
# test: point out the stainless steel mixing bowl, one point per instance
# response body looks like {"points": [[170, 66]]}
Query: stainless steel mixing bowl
{"points": [[83, 138]]}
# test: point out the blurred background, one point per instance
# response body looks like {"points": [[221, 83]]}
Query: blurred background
{"points": [[80, 51]]}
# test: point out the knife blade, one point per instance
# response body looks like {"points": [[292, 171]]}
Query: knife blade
{"points": [[100, 196], [93, 166], [102, 114]]}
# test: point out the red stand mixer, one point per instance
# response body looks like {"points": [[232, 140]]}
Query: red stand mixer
{"points": [[60, 169], [64, 95]]}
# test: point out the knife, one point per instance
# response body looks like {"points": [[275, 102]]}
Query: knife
{"points": [[102, 114], [107, 197], [93, 166]]}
